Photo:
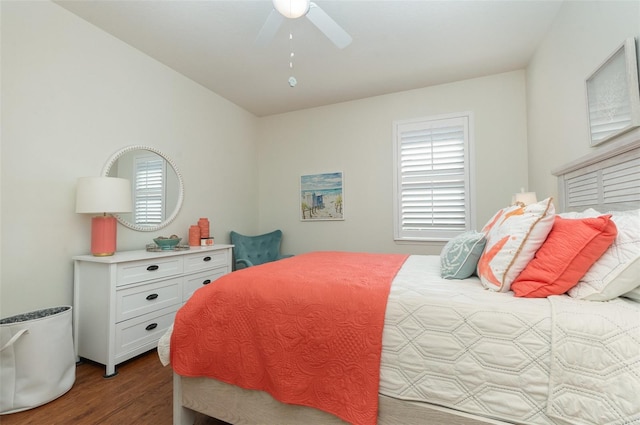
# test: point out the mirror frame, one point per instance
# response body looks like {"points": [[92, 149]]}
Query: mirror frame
{"points": [[167, 221]]}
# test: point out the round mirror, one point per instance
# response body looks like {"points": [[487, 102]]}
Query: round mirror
{"points": [[156, 187]]}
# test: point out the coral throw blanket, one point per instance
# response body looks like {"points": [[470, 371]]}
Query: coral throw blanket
{"points": [[307, 329]]}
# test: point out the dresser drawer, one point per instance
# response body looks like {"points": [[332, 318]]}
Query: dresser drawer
{"points": [[140, 271], [144, 330], [205, 260], [142, 299], [198, 280]]}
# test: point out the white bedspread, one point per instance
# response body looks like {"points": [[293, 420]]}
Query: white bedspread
{"points": [[530, 361], [164, 347], [455, 344], [595, 363]]}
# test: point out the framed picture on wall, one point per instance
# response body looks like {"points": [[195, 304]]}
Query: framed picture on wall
{"points": [[321, 197], [613, 95]]}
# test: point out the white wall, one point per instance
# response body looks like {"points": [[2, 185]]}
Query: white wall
{"points": [[73, 95], [356, 138], [582, 36]]}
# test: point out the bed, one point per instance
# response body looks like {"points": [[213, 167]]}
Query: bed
{"points": [[454, 352]]}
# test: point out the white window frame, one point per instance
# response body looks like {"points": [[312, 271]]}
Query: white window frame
{"points": [[435, 232], [154, 192]]}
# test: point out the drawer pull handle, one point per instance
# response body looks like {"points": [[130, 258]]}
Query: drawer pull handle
{"points": [[152, 296], [206, 282], [206, 259], [153, 268], [151, 326]]}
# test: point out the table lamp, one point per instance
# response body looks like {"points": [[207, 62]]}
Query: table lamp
{"points": [[103, 195], [523, 198]]}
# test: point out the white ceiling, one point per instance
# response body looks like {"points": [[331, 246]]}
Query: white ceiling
{"points": [[397, 45]]}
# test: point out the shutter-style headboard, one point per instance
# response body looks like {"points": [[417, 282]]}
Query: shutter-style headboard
{"points": [[606, 180]]}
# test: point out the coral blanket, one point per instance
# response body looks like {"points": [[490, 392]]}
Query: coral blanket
{"points": [[307, 329]]}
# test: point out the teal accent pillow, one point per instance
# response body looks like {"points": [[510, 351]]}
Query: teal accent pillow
{"points": [[459, 257]]}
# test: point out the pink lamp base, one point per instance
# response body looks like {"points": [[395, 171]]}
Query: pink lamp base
{"points": [[103, 235]]}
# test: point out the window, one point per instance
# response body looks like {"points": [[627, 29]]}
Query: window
{"points": [[433, 193], [149, 189]]}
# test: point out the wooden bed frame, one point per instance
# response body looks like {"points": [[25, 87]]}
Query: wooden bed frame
{"points": [[584, 183]]}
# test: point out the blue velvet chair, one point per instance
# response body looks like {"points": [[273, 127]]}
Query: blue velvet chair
{"points": [[254, 250]]}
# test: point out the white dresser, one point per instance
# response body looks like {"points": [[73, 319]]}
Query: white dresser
{"points": [[124, 303]]}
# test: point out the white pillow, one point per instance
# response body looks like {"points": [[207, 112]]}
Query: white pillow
{"points": [[514, 234], [588, 213], [633, 295], [618, 270]]}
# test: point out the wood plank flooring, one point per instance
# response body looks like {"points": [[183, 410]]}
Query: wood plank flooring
{"points": [[141, 393]]}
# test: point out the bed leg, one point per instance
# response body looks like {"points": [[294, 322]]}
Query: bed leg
{"points": [[181, 414]]}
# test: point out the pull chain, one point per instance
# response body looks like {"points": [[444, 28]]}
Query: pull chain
{"points": [[292, 79], [292, 54]]}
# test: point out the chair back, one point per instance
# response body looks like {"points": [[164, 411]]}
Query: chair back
{"points": [[257, 249]]}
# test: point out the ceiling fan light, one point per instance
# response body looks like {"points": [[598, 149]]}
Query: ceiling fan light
{"points": [[292, 8]]}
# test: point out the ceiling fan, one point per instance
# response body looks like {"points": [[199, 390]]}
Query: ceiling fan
{"points": [[294, 9]]}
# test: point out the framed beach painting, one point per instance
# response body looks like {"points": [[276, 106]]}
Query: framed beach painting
{"points": [[321, 197], [613, 95]]}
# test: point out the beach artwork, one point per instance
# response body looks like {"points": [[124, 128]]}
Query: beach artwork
{"points": [[321, 197]]}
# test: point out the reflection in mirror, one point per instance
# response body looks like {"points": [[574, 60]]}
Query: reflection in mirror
{"points": [[156, 186]]}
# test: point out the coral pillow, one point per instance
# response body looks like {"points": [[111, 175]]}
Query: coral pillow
{"points": [[514, 235], [571, 248]]}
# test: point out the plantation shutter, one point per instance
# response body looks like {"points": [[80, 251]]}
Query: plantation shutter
{"points": [[432, 178], [149, 190]]}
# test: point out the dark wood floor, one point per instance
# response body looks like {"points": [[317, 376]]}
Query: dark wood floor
{"points": [[141, 393]]}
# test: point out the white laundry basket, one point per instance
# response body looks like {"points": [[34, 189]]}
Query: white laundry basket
{"points": [[37, 359]]}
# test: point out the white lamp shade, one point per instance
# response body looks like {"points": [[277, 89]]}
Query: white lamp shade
{"points": [[526, 198], [292, 8], [98, 195]]}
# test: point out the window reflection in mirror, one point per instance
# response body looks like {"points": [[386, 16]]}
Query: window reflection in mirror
{"points": [[156, 187]]}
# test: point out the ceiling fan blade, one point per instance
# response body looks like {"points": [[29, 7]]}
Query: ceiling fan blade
{"points": [[269, 29], [328, 26]]}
